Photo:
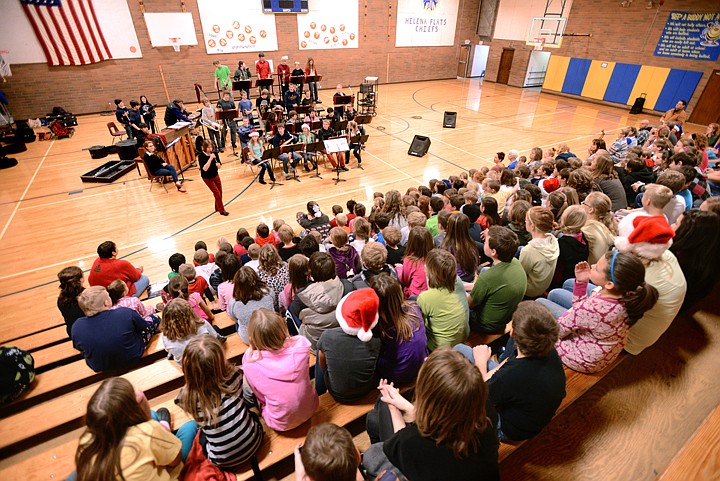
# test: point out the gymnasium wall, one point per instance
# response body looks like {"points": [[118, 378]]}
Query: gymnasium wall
{"points": [[35, 88], [629, 36]]}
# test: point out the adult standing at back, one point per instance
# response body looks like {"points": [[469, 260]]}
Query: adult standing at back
{"points": [[222, 76], [108, 268]]}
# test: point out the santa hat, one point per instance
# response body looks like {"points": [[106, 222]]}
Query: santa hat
{"points": [[254, 133], [551, 184], [357, 313], [650, 238]]}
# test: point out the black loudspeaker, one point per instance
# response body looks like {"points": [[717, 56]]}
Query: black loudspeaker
{"points": [[419, 146], [449, 120]]}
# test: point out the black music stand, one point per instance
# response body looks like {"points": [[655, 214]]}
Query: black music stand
{"points": [[340, 101], [363, 119], [297, 79], [359, 139], [314, 148], [228, 116], [340, 125], [303, 109], [313, 79], [270, 154], [266, 83], [289, 149], [242, 85]]}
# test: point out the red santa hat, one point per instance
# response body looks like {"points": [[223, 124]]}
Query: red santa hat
{"points": [[357, 313], [650, 238], [551, 184]]}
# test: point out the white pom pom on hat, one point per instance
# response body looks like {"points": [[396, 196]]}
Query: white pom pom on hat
{"points": [[357, 313], [650, 238]]}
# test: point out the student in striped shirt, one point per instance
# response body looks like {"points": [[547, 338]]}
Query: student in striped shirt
{"points": [[230, 435]]}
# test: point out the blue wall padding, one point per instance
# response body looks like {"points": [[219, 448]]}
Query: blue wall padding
{"points": [[621, 82], [576, 74], [680, 84]]}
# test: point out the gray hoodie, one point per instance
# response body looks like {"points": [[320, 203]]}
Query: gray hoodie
{"points": [[318, 314], [539, 259]]}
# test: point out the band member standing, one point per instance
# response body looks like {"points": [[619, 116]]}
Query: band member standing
{"points": [[135, 117], [121, 114], [311, 70], [297, 72], [148, 113], [255, 153], [242, 73], [227, 103], [283, 71], [325, 133], [157, 166], [282, 138], [222, 77], [209, 165], [262, 67], [209, 120], [245, 105]]}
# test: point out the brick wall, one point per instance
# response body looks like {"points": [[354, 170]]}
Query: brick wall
{"points": [[619, 34], [35, 88]]}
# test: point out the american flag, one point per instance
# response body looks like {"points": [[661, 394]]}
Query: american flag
{"points": [[67, 30]]}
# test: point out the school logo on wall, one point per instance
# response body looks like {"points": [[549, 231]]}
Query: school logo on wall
{"points": [[430, 4]]}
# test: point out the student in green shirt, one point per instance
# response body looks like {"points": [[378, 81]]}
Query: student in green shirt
{"points": [[444, 305], [222, 77], [498, 290]]}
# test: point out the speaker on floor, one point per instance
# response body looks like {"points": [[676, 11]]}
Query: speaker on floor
{"points": [[419, 146], [449, 120]]}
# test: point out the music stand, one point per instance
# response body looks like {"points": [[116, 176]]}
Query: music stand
{"points": [[336, 145], [289, 149], [313, 78], [242, 85], [363, 119], [229, 116], [359, 139], [340, 125], [297, 80], [270, 154], [303, 109], [266, 83], [315, 147]]}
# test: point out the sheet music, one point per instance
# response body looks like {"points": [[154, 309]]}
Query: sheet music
{"points": [[179, 125], [336, 145]]}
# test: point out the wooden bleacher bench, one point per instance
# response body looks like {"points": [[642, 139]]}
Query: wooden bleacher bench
{"points": [[38, 340], [699, 459], [66, 412]]}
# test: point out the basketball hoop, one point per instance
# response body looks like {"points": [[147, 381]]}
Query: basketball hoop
{"points": [[174, 43], [539, 43]]}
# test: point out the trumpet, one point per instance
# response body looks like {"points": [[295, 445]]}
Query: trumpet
{"points": [[210, 124]]}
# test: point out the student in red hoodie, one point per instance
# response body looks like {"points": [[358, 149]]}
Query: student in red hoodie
{"points": [[264, 236]]}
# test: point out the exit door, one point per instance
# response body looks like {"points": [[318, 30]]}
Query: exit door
{"points": [[506, 59]]}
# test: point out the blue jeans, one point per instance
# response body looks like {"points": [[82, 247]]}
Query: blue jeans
{"points": [[320, 386], [186, 434], [312, 87], [264, 167], [285, 160], [466, 351], [559, 301], [168, 170], [141, 284]]}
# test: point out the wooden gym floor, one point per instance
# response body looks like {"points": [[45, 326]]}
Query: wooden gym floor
{"points": [[628, 429]]}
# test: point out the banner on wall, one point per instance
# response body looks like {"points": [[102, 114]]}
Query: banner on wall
{"points": [[18, 37], [237, 27], [426, 23], [692, 36], [329, 24]]}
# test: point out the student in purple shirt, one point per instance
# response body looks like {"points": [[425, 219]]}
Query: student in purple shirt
{"points": [[402, 332]]}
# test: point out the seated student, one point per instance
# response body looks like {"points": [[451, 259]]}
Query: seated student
{"points": [[249, 294], [594, 329], [402, 332], [572, 242], [347, 260], [444, 305], [654, 200], [539, 257], [674, 181], [275, 368], [230, 265], [195, 283], [287, 247], [204, 267], [360, 233], [528, 385], [273, 271], [175, 261], [230, 434], [328, 454], [202, 245], [118, 295], [637, 174], [110, 339], [264, 236], [107, 268], [71, 286], [428, 440], [252, 258], [415, 218], [517, 212], [412, 272], [437, 205], [132, 441], [443, 219], [314, 220], [497, 290], [313, 309], [374, 262], [600, 227], [180, 324], [395, 251], [216, 275], [178, 288], [156, 165], [336, 209], [342, 222], [347, 355]]}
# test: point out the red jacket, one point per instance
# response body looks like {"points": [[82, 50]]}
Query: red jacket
{"points": [[262, 69], [284, 72], [106, 271]]}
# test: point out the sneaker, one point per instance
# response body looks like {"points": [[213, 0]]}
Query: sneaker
{"points": [[180, 188], [164, 415]]}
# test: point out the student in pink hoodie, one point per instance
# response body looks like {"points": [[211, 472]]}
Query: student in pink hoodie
{"points": [[276, 370]]}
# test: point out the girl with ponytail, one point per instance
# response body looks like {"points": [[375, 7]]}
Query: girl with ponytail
{"points": [[600, 228], [594, 329]]}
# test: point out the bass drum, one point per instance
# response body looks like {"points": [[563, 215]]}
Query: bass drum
{"points": [[127, 149], [98, 152]]}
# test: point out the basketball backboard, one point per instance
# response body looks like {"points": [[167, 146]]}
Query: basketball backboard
{"points": [[546, 31]]}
